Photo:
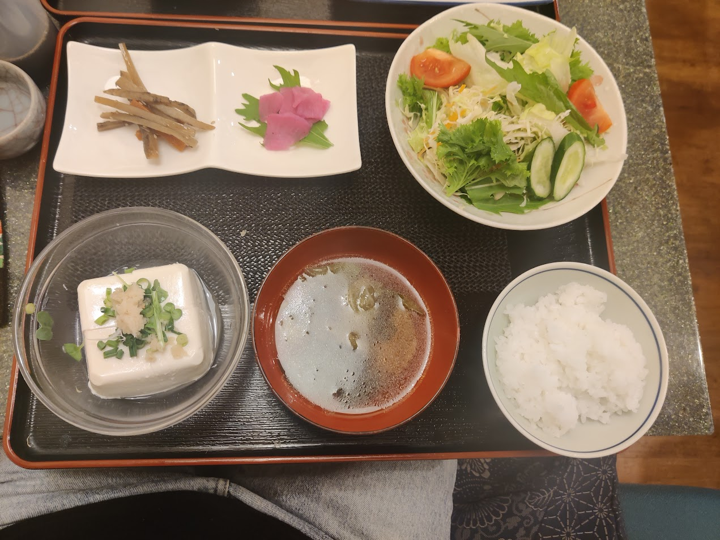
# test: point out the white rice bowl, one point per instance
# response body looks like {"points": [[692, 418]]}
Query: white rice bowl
{"points": [[564, 376]]}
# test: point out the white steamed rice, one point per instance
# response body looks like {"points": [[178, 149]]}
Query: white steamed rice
{"points": [[560, 362]]}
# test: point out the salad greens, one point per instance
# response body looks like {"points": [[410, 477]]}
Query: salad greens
{"points": [[506, 40], [441, 44], [478, 138], [578, 69], [476, 152], [543, 88], [419, 101]]}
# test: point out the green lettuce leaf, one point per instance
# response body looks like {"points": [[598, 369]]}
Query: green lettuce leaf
{"points": [[578, 69], [502, 38], [517, 30], [412, 92], [432, 103], [475, 151], [488, 187], [417, 99], [416, 139], [510, 202], [441, 44], [551, 53], [513, 174]]}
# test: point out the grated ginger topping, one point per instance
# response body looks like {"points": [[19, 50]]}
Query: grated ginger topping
{"points": [[128, 305]]}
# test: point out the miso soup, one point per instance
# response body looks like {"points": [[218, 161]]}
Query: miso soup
{"points": [[352, 335]]}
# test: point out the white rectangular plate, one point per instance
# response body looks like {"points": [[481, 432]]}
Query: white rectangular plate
{"points": [[211, 78]]}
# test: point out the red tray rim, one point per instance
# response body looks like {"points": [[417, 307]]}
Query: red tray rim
{"points": [[159, 462]]}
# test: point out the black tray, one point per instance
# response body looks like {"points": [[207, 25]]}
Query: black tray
{"points": [[245, 422], [269, 11]]}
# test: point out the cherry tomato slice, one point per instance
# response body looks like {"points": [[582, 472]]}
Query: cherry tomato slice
{"points": [[582, 95], [439, 69]]}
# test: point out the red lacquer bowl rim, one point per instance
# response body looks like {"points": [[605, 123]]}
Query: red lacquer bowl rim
{"points": [[402, 256]]}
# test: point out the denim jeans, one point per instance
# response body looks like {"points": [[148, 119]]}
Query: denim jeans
{"points": [[383, 500]]}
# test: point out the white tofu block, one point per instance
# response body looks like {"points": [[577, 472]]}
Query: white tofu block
{"points": [[137, 376]]}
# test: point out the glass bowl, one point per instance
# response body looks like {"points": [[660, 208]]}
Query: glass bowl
{"points": [[97, 246]]}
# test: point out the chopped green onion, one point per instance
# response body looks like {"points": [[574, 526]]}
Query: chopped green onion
{"points": [[113, 343], [30, 308], [133, 344], [182, 340], [110, 353], [102, 319], [119, 354], [141, 281], [170, 327], [101, 345]]}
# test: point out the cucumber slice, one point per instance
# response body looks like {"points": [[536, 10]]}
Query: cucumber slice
{"points": [[541, 167], [567, 165]]}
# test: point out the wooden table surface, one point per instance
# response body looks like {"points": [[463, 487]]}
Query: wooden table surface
{"points": [[685, 37]]}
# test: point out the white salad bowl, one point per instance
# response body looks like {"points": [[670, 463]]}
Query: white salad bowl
{"points": [[596, 179], [624, 306]]}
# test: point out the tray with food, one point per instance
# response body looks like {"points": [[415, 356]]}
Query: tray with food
{"points": [[208, 316]]}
